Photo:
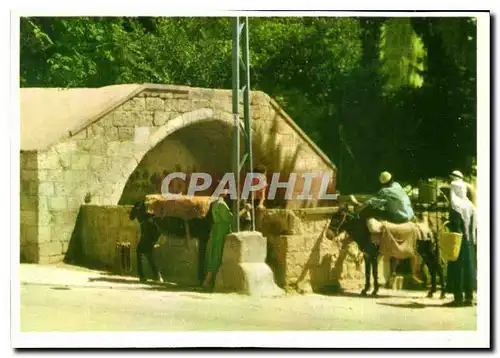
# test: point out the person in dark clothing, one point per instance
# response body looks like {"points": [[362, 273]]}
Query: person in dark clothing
{"points": [[150, 233], [461, 275]]}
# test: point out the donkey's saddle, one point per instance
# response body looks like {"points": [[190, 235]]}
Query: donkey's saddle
{"points": [[395, 240]]}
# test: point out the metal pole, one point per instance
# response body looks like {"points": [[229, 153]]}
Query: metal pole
{"points": [[247, 112], [236, 120]]}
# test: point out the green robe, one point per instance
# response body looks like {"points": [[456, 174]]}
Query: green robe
{"points": [[221, 227]]}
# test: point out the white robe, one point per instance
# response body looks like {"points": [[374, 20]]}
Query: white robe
{"points": [[461, 204]]}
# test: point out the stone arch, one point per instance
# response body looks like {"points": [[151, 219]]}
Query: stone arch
{"points": [[175, 125]]}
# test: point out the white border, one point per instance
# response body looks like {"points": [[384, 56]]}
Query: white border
{"points": [[479, 338]]}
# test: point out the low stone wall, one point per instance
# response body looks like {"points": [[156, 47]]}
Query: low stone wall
{"points": [[29, 188], [101, 227], [301, 255]]}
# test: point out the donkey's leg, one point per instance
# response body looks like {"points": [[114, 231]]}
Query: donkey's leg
{"points": [[375, 274], [367, 275], [432, 269], [424, 249]]}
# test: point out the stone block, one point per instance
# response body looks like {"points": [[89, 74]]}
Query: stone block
{"points": [[29, 233], [243, 266], [29, 202], [258, 98], [135, 104], [245, 246], [165, 95], [29, 253], [29, 160], [175, 117], [122, 118], [126, 133], [278, 248], [80, 160], [29, 217], [206, 93], [184, 105], [201, 103], [45, 215], [155, 104], [280, 222], [51, 248], [170, 105], [224, 106], [52, 259], [62, 218], [97, 130], [47, 188], [160, 118], [62, 233], [96, 162], [74, 203], [58, 203], [75, 180], [113, 220], [144, 118], [29, 188], [51, 175], [48, 160], [106, 121], [254, 279], [29, 175], [44, 233], [180, 95]]}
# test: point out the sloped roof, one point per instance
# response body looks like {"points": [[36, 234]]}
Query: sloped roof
{"points": [[50, 114]]}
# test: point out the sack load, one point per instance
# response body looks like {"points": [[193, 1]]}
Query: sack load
{"points": [[184, 207]]}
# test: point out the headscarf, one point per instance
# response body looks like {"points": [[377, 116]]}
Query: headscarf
{"points": [[461, 204]]}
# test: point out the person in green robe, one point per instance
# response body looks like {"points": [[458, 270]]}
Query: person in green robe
{"points": [[222, 222]]}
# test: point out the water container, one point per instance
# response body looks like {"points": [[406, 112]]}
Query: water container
{"points": [[427, 193]]}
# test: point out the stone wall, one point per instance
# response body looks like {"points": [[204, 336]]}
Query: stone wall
{"points": [[169, 156], [96, 162], [301, 255], [29, 206], [100, 229]]}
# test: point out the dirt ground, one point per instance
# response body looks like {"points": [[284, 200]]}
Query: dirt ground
{"points": [[55, 298]]}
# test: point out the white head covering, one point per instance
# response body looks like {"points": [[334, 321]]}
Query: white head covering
{"points": [[461, 204], [457, 174]]}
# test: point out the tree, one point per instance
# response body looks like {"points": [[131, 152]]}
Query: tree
{"points": [[373, 93]]}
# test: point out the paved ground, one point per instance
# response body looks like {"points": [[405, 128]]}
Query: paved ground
{"points": [[71, 299]]}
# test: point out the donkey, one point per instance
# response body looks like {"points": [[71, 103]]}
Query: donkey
{"points": [[153, 227], [356, 227]]}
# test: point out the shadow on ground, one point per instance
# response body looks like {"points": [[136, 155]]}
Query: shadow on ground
{"points": [[335, 290], [150, 285], [409, 305]]}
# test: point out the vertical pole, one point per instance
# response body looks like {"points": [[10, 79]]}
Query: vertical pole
{"points": [[236, 120], [247, 112]]}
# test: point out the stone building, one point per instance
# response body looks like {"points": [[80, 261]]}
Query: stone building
{"points": [[85, 148]]}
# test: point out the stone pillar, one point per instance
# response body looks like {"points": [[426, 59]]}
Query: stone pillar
{"points": [[243, 268]]}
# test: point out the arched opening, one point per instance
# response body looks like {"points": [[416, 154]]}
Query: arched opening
{"points": [[204, 146], [201, 146]]}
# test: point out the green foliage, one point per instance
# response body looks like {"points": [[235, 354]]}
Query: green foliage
{"points": [[375, 94]]}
